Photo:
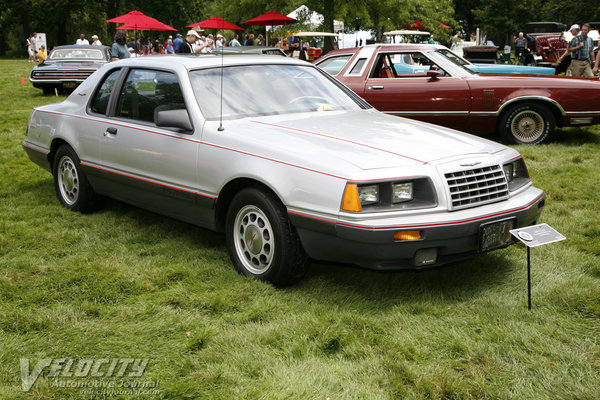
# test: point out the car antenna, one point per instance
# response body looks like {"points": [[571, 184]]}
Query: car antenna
{"points": [[220, 128]]}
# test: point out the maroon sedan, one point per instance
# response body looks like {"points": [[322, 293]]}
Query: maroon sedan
{"points": [[430, 83]]}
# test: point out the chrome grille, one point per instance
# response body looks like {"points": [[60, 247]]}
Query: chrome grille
{"points": [[478, 186], [62, 75]]}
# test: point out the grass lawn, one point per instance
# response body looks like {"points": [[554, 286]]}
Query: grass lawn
{"points": [[124, 283]]}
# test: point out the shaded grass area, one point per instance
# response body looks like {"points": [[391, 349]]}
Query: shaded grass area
{"points": [[125, 283]]}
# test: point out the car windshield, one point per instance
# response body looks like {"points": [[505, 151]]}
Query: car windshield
{"points": [[257, 90], [91, 54], [448, 55]]}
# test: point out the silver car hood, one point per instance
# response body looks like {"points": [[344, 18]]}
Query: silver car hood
{"points": [[366, 139]]}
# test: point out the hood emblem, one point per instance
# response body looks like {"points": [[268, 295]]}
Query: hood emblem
{"points": [[470, 164]]}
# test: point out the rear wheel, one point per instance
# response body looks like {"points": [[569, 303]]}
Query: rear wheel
{"points": [[71, 185], [527, 123], [261, 241], [48, 90]]}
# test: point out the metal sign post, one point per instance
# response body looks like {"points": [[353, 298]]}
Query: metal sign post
{"points": [[534, 236]]}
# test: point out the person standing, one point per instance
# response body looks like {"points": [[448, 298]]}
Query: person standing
{"points": [[456, 39], [34, 45], [235, 42], [119, 47], [177, 42], [597, 62], [169, 47], [96, 41], [520, 43], [581, 49], [82, 40], [31, 49], [187, 47]]}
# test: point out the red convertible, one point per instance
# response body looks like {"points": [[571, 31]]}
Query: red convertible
{"points": [[430, 83]]}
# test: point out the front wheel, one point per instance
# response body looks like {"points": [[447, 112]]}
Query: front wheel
{"points": [[261, 241], [527, 123], [71, 185]]}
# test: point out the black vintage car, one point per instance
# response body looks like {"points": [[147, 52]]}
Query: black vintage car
{"points": [[67, 66]]}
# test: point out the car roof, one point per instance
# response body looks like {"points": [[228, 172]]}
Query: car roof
{"points": [[390, 47], [205, 60], [79, 46]]}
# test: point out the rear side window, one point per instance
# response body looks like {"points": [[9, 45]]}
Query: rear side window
{"points": [[146, 91], [334, 65], [100, 102]]}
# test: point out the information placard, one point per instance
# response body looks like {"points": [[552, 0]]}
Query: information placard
{"points": [[537, 235]]}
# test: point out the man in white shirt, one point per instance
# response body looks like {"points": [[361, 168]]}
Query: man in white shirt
{"points": [[96, 41], [82, 40]]}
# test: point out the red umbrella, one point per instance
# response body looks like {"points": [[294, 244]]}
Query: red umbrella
{"points": [[215, 23], [270, 18], [139, 21], [150, 26]]}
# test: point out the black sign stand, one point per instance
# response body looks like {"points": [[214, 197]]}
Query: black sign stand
{"points": [[533, 236], [528, 278]]}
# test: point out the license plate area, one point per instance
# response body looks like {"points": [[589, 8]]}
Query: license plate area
{"points": [[69, 85], [494, 235]]}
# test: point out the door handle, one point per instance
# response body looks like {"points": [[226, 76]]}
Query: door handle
{"points": [[377, 87], [111, 130]]}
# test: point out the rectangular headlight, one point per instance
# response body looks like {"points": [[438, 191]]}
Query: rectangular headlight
{"points": [[402, 192], [508, 171], [368, 194]]}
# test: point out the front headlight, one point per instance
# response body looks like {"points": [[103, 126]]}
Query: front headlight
{"points": [[402, 192], [516, 174], [389, 196], [368, 194]]}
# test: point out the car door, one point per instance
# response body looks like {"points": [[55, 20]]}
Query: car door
{"points": [[398, 84], [150, 166]]}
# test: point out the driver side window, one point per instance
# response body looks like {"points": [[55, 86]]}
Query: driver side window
{"points": [[402, 65], [146, 92]]}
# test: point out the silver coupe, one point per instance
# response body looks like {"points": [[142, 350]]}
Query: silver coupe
{"points": [[286, 161]]}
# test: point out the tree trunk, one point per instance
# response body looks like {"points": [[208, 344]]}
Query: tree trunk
{"points": [[61, 33], [328, 15]]}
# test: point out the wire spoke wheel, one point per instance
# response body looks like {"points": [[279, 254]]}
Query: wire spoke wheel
{"points": [[68, 180], [253, 238], [527, 126], [527, 123]]}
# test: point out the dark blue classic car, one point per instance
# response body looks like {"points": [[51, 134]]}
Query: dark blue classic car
{"points": [[67, 66]]}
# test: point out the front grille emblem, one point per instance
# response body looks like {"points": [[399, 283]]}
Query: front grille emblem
{"points": [[471, 164]]}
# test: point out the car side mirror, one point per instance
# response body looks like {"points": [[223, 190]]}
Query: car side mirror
{"points": [[434, 73], [173, 119]]}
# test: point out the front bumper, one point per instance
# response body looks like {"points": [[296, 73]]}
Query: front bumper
{"points": [[451, 238]]}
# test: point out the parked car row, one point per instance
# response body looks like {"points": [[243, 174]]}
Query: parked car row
{"points": [[67, 66], [431, 83]]}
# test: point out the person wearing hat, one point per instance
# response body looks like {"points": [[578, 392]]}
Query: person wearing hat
{"points": [[96, 41], [581, 50], [220, 42], [187, 46], [41, 55], [177, 42]]}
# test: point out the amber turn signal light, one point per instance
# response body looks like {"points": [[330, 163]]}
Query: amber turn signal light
{"points": [[351, 202], [407, 235]]}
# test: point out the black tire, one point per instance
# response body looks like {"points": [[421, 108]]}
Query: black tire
{"points": [[261, 241], [527, 123], [71, 185], [48, 90]]}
